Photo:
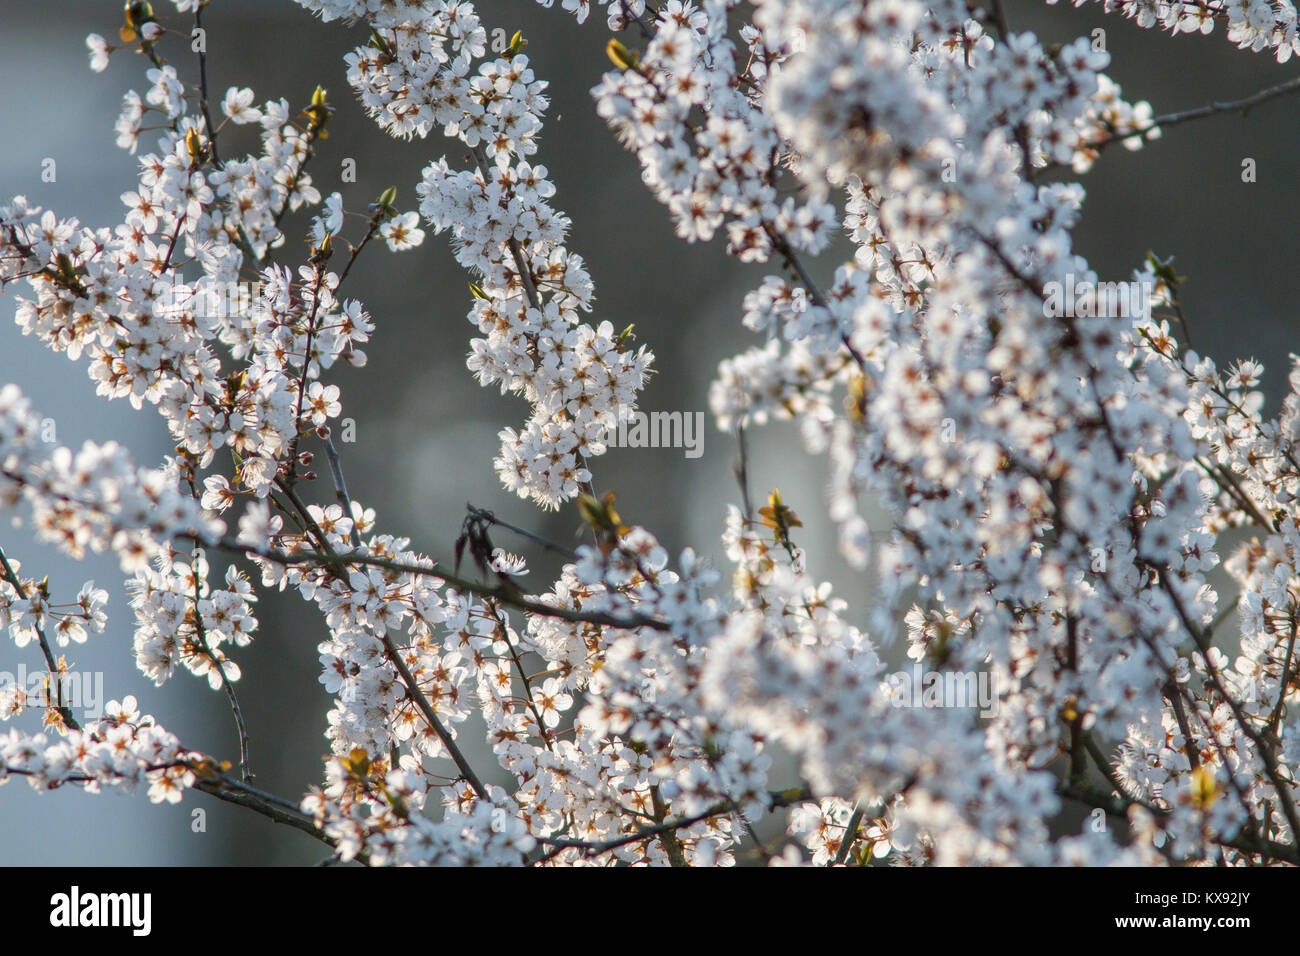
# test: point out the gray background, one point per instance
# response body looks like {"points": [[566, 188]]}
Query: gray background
{"points": [[426, 433]]}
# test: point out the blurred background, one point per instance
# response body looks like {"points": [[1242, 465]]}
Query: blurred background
{"points": [[426, 433]]}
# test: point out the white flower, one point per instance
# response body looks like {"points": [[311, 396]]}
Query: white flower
{"points": [[503, 562], [238, 106], [99, 51], [217, 493], [167, 91], [333, 213], [257, 525], [402, 232], [321, 403]]}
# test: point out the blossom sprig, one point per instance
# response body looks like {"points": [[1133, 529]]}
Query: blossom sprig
{"points": [[530, 287], [26, 610], [117, 753], [96, 499], [1255, 25]]}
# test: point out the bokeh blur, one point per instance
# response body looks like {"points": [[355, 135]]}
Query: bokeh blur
{"points": [[426, 434]]}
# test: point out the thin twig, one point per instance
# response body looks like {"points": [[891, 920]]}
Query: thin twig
{"points": [[742, 473], [201, 637], [203, 87], [341, 488]]}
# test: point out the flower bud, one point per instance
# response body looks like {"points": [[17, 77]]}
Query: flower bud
{"points": [[625, 338], [135, 15], [194, 144], [322, 252], [318, 112], [377, 42], [622, 57]]}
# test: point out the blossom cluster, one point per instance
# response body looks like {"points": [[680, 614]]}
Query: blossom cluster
{"points": [[181, 619], [978, 423], [1256, 25], [424, 69], [94, 499], [117, 754]]}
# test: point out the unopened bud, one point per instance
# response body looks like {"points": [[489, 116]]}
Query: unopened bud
{"points": [[319, 112], [194, 143], [135, 15], [379, 43], [622, 57], [625, 338], [325, 249]]}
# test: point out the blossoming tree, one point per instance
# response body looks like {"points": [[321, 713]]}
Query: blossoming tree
{"points": [[1057, 479]]}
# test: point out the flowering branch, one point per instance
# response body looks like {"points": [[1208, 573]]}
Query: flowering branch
{"points": [[1242, 106], [1057, 469]]}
